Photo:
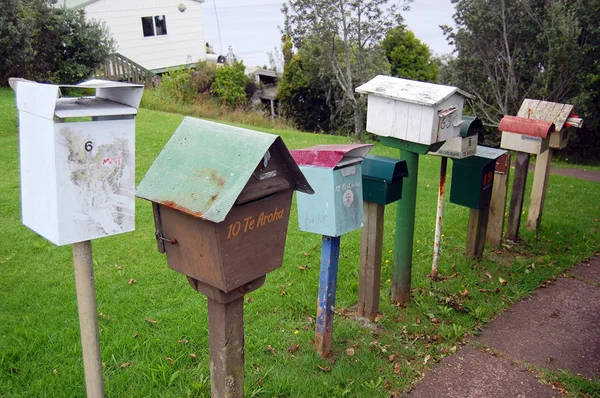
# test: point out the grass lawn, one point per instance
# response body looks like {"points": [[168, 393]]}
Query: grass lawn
{"points": [[40, 351]]}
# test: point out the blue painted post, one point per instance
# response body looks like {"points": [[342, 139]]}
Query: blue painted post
{"points": [[330, 254]]}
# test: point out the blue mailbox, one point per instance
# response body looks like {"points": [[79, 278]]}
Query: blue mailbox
{"points": [[334, 171]]}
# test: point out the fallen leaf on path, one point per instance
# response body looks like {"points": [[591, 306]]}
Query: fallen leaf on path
{"points": [[192, 355], [464, 294], [170, 360], [302, 268], [126, 364], [152, 321], [132, 281], [393, 357], [324, 368], [502, 281], [271, 349], [293, 348], [183, 341], [350, 351], [397, 368]]}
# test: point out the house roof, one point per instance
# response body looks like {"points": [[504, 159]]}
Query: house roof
{"points": [[205, 166], [547, 111], [412, 91], [83, 3]]}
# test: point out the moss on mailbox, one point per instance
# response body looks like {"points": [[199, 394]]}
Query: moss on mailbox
{"points": [[222, 196]]}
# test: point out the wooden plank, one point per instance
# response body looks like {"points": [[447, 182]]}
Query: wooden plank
{"points": [[517, 196], [226, 341], [371, 245], [478, 222], [526, 106], [439, 218], [498, 203], [327, 286], [538, 191]]}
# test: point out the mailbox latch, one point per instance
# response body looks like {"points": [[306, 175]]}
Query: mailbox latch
{"points": [[160, 239]]}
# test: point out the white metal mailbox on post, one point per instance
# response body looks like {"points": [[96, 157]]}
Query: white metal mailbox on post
{"points": [[419, 112], [77, 159]]}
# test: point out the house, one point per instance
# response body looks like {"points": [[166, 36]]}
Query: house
{"points": [[156, 34]]}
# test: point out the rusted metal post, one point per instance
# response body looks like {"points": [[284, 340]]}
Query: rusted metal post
{"points": [[517, 196], [226, 341], [405, 230], [438, 219], [478, 221], [330, 254], [88, 318], [369, 277], [538, 190], [495, 227]]}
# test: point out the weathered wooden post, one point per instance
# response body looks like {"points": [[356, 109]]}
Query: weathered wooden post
{"points": [[221, 199], [526, 136], [416, 118], [472, 182], [336, 208], [495, 228], [564, 118], [77, 180], [382, 184]]}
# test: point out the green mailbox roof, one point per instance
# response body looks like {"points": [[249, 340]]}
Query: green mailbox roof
{"points": [[470, 126], [205, 166], [383, 168], [483, 156]]}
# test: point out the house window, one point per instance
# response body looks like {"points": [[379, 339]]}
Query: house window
{"points": [[154, 26]]}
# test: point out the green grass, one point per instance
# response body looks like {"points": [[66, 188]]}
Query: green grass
{"points": [[40, 352]]}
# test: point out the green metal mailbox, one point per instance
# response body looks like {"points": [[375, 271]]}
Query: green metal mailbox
{"points": [[382, 179], [472, 178]]}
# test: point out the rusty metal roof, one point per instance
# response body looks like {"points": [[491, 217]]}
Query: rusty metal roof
{"points": [[547, 111], [330, 156], [531, 127], [205, 166]]}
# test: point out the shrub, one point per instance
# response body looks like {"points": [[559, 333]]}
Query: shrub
{"points": [[204, 76], [230, 84]]}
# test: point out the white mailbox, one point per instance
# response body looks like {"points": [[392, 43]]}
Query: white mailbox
{"points": [[77, 159], [418, 112], [525, 135]]}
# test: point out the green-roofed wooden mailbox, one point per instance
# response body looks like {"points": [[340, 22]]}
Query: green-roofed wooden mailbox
{"points": [[382, 184], [221, 198]]}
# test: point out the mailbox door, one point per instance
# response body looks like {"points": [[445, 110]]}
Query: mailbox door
{"points": [[559, 139], [95, 179], [316, 213], [472, 184], [348, 199], [252, 239]]}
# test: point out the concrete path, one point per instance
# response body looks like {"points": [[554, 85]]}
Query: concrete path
{"points": [[558, 327]]}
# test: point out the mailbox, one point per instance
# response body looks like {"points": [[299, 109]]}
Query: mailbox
{"points": [[525, 135], [466, 144], [221, 197], [413, 111], [382, 179], [77, 159], [473, 177], [335, 173], [562, 115]]}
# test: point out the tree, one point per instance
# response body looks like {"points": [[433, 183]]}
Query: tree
{"points": [[349, 32], [408, 57], [41, 42], [230, 84]]}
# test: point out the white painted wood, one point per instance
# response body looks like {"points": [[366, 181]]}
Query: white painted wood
{"points": [[183, 44], [413, 111], [37, 99], [90, 106], [524, 143]]}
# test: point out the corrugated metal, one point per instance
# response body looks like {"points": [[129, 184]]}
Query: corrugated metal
{"points": [[330, 156], [531, 127], [205, 166], [547, 111]]}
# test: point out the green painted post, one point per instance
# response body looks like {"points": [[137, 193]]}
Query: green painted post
{"points": [[405, 230]]}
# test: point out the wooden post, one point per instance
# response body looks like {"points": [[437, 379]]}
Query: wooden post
{"points": [[538, 190], [478, 220], [371, 244], [327, 285], [517, 196], [439, 218], [226, 341], [498, 203], [88, 318], [405, 231]]}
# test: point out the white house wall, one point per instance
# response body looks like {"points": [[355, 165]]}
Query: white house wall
{"points": [[183, 44]]}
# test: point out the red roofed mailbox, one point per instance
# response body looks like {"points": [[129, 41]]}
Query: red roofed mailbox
{"points": [[222, 198], [525, 135], [335, 173]]}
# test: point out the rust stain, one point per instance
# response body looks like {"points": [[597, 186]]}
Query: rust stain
{"points": [[175, 206]]}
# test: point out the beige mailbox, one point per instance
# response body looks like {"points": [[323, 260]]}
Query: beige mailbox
{"points": [[525, 135], [562, 115], [408, 110]]}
